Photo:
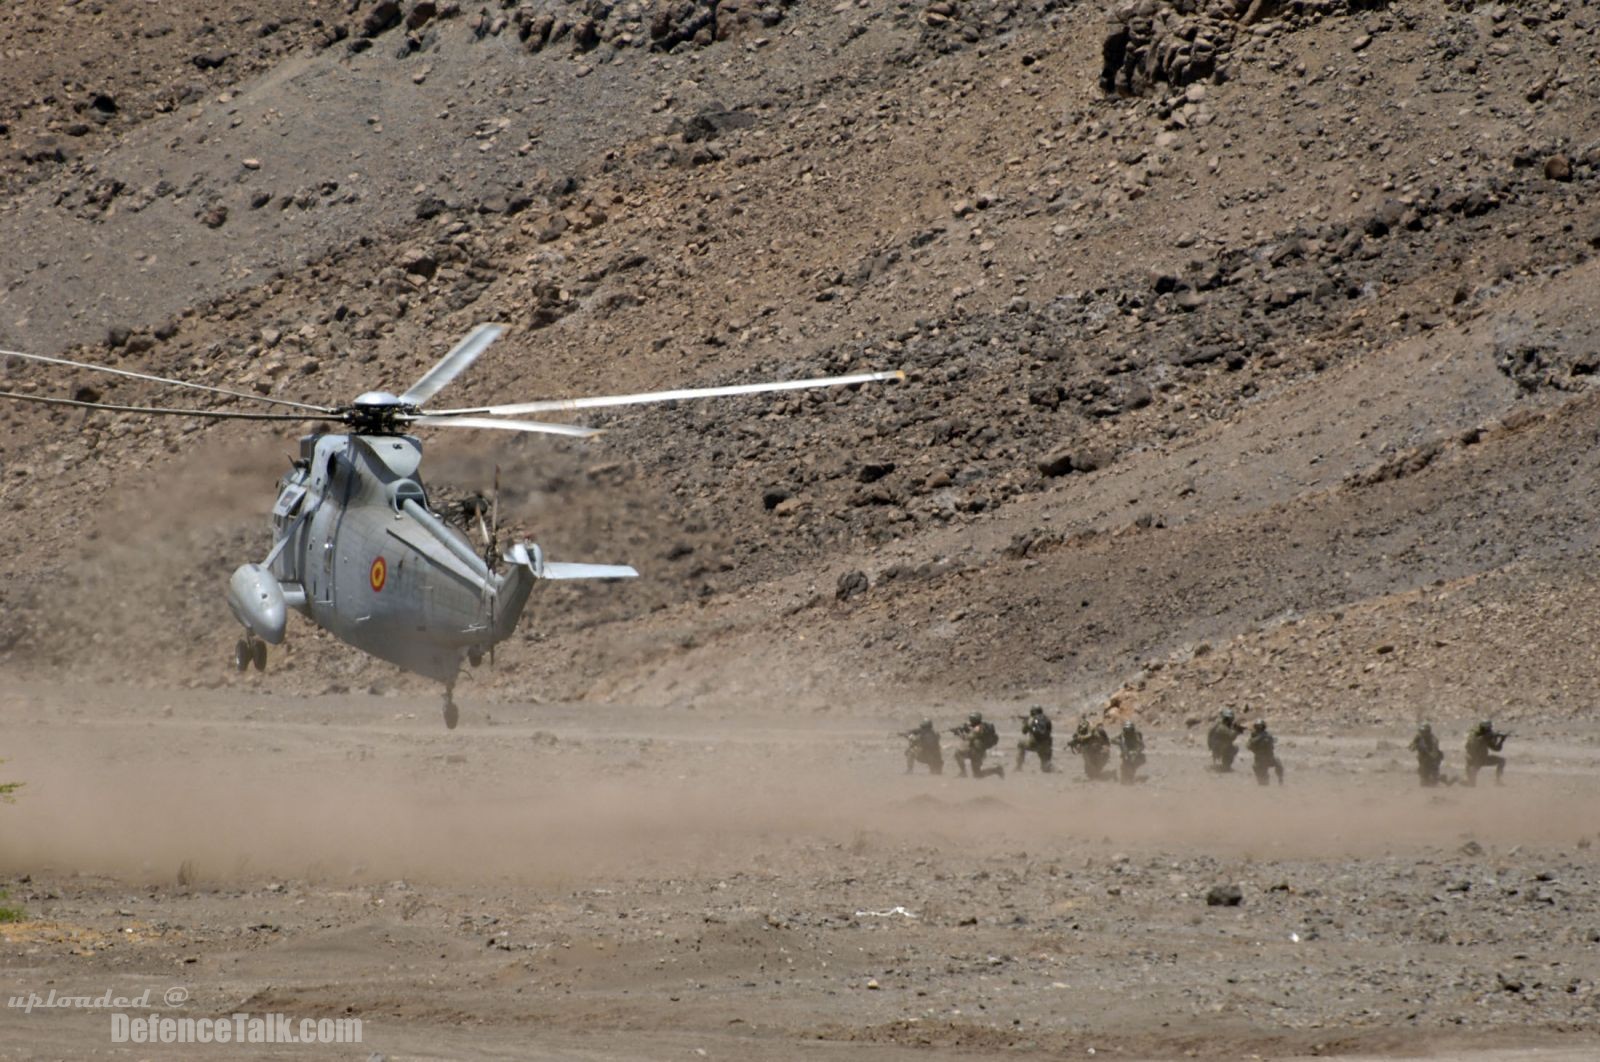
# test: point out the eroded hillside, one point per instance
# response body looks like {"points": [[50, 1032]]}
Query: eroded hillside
{"points": [[1257, 333]]}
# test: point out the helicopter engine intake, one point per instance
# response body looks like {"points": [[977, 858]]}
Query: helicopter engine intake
{"points": [[256, 598]]}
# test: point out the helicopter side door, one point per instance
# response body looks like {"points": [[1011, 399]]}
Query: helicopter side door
{"points": [[331, 484]]}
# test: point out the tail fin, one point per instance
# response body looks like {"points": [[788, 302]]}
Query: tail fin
{"points": [[527, 567], [532, 558]]}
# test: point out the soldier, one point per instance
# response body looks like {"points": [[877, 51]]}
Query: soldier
{"points": [[1429, 756], [977, 738], [1131, 743], [1482, 744], [1036, 738], [1263, 746], [1222, 741], [1090, 742], [924, 748]]}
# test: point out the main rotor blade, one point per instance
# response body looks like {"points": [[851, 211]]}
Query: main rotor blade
{"points": [[440, 420], [210, 414], [452, 364], [563, 404], [162, 380]]}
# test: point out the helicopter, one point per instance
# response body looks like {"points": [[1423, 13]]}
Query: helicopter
{"points": [[356, 546]]}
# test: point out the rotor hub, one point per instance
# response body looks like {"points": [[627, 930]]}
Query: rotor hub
{"points": [[378, 413]]}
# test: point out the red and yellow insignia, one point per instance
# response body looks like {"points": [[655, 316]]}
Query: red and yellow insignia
{"points": [[379, 574]]}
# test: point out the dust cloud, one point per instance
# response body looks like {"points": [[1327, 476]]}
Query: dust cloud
{"points": [[136, 796]]}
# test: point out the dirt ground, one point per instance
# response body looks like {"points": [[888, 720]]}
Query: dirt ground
{"points": [[607, 882], [1250, 353]]}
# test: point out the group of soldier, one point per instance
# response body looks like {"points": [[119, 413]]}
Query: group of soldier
{"points": [[1223, 741], [977, 738], [1484, 743]]}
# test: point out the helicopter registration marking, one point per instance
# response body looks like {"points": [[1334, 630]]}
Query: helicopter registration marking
{"points": [[379, 574]]}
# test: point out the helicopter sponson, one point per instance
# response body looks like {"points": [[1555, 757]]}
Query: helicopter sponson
{"points": [[257, 600]]}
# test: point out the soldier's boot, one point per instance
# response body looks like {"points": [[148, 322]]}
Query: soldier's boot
{"points": [[1045, 765], [1021, 755], [911, 761], [1279, 768], [1261, 775], [1499, 771], [1472, 775]]}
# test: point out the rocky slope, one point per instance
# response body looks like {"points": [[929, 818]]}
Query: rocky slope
{"points": [[1247, 333]]}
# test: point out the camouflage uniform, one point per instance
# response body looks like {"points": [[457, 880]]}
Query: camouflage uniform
{"points": [[1482, 744], [924, 748], [1090, 742], [1263, 746], [1429, 756], [977, 738], [1037, 738], [1222, 741], [1131, 743]]}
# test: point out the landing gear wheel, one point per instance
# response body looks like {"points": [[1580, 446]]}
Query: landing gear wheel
{"points": [[243, 654], [258, 655], [452, 715]]}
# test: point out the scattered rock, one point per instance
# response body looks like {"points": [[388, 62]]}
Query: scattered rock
{"points": [[384, 16], [419, 262], [1224, 896]]}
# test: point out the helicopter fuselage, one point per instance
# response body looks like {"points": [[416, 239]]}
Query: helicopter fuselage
{"points": [[358, 551]]}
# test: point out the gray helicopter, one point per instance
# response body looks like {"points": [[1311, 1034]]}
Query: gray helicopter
{"points": [[357, 548]]}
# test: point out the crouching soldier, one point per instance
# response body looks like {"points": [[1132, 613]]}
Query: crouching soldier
{"points": [[1036, 738], [1131, 744], [1090, 742], [977, 737], [923, 747], [1263, 746], [1223, 739], [1482, 744], [1429, 756]]}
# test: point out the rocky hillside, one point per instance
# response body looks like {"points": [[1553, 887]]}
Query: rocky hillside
{"points": [[1248, 343]]}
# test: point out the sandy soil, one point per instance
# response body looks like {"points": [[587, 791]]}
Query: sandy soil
{"points": [[578, 881]]}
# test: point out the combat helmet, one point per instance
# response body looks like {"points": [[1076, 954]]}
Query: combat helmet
{"points": [[1036, 710], [1227, 715], [927, 724], [1425, 728], [975, 718], [1259, 725], [1127, 725]]}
